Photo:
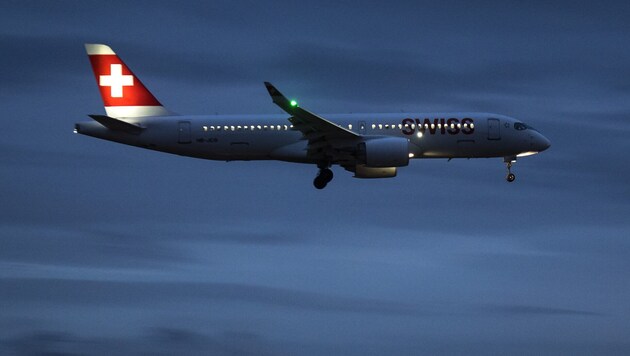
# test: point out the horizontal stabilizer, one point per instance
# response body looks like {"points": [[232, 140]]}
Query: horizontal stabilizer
{"points": [[116, 125]]}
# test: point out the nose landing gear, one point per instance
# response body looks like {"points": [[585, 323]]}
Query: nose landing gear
{"points": [[508, 163], [323, 178]]}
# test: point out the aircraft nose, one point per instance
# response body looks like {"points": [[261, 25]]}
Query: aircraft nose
{"points": [[541, 143]]}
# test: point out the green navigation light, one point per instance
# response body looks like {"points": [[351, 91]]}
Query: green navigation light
{"points": [[293, 103]]}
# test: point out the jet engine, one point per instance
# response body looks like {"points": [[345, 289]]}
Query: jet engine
{"points": [[384, 152], [362, 171]]}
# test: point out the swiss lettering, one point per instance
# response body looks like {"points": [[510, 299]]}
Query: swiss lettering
{"points": [[442, 126]]}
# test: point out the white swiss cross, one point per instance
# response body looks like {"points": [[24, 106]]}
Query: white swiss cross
{"points": [[116, 81]]}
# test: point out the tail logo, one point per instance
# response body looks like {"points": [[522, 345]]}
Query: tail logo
{"points": [[122, 92], [116, 81]]}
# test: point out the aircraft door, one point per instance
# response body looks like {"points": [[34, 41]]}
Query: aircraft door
{"points": [[183, 129], [494, 129], [362, 127]]}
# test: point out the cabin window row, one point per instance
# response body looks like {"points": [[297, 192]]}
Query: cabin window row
{"points": [[247, 127], [420, 126], [290, 127]]}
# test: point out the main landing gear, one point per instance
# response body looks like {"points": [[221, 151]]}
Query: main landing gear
{"points": [[324, 177], [508, 163]]}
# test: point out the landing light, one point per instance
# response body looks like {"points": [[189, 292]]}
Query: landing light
{"points": [[525, 154], [419, 134], [411, 155], [293, 103]]}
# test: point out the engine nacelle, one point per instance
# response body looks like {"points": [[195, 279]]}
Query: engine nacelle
{"points": [[362, 171], [385, 152]]}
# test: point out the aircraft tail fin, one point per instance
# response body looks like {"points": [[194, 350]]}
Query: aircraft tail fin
{"points": [[122, 92]]}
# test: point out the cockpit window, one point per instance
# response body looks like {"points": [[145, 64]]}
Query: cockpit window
{"points": [[519, 126], [531, 128]]}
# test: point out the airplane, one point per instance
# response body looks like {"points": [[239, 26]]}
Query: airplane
{"points": [[368, 145]]}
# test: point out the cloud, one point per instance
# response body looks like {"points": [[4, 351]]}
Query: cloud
{"points": [[409, 76], [59, 246], [37, 62], [160, 340], [34, 156], [515, 310], [98, 292]]}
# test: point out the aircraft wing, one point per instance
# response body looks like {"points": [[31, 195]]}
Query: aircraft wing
{"points": [[305, 121], [327, 141]]}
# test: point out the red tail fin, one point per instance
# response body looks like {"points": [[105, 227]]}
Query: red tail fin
{"points": [[122, 92]]}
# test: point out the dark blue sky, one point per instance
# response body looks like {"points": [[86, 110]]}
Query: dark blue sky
{"points": [[107, 247]]}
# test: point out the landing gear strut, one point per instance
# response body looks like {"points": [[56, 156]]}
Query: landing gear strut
{"points": [[323, 178], [508, 162]]}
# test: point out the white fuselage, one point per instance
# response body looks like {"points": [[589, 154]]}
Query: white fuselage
{"points": [[272, 137]]}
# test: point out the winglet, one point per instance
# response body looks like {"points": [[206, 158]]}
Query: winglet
{"points": [[280, 100], [302, 117]]}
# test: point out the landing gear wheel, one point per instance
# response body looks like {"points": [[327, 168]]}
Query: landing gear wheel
{"points": [[319, 182], [323, 178], [508, 163], [326, 174]]}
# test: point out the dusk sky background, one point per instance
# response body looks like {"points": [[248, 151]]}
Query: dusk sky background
{"points": [[106, 248]]}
